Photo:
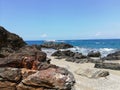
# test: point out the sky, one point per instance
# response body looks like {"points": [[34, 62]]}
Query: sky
{"points": [[61, 19]]}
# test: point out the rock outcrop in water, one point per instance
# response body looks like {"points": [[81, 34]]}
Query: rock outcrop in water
{"points": [[55, 45], [113, 56], [94, 54], [28, 68]]}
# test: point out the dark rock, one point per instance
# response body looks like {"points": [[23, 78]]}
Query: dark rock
{"points": [[113, 56], [114, 66], [94, 54], [79, 56], [55, 45], [10, 40], [72, 59], [68, 53], [71, 56], [52, 78]]}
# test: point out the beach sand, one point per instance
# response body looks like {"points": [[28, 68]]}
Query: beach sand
{"points": [[111, 82]]}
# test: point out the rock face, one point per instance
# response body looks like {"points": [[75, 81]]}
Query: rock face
{"points": [[9, 42], [50, 78], [55, 45], [71, 56], [94, 54], [114, 66], [92, 73], [28, 69], [113, 56]]}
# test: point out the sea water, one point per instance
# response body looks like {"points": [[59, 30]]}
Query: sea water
{"points": [[104, 46]]}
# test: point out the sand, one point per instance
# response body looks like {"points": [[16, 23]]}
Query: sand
{"points": [[111, 82]]}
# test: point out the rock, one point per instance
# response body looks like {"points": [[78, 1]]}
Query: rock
{"points": [[10, 74], [92, 73], [68, 53], [113, 56], [72, 59], [6, 85], [10, 40], [52, 78], [25, 67], [95, 60], [55, 45], [21, 86], [27, 57], [9, 77], [79, 56], [114, 66], [27, 72], [71, 56], [4, 52], [94, 54]]}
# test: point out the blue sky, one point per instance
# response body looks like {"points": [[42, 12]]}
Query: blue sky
{"points": [[61, 19]]}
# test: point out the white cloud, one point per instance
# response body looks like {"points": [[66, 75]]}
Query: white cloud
{"points": [[44, 35]]}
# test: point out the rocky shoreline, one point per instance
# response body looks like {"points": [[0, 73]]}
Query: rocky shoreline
{"points": [[24, 67]]}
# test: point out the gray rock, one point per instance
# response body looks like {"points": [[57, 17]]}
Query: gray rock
{"points": [[114, 66], [92, 73]]}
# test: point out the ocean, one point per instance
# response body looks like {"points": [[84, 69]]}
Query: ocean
{"points": [[104, 46]]}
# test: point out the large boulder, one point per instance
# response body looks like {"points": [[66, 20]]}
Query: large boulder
{"points": [[27, 57], [9, 42], [54, 78], [113, 56], [92, 73], [55, 45], [9, 77], [114, 66], [94, 54]]}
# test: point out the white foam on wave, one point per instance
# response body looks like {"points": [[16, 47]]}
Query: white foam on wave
{"points": [[104, 51]]}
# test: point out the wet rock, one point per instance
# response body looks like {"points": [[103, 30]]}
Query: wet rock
{"points": [[94, 54], [52, 78], [92, 73], [55, 45], [10, 40], [113, 56], [114, 66]]}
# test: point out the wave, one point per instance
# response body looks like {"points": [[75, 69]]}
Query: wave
{"points": [[104, 51]]}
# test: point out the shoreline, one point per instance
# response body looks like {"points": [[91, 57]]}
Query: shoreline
{"points": [[84, 83]]}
